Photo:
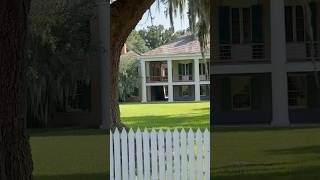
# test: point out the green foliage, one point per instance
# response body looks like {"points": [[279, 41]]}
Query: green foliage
{"points": [[128, 77], [57, 48], [198, 14], [156, 36], [136, 43]]}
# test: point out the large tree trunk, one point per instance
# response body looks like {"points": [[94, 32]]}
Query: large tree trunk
{"points": [[15, 153], [125, 15]]}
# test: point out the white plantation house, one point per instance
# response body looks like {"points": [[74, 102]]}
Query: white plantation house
{"points": [[265, 64], [175, 72]]}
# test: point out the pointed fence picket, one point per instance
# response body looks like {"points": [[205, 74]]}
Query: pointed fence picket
{"points": [[160, 155]]}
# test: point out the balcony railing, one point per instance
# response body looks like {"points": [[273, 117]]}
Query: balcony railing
{"points": [[183, 78], [205, 77], [154, 79], [242, 53], [302, 51]]}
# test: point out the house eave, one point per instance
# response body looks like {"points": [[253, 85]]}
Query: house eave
{"points": [[173, 57]]}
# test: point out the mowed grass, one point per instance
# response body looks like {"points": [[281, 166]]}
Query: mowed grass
{"points": [[166, 115], [265, 153], [69, 154]]}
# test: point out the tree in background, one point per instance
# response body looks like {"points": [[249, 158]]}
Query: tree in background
{"points": [[57, 49], [136, 43], [129, 77], [156, 36]]}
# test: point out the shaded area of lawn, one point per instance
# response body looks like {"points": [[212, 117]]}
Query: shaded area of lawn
{"points": [[265, 153], [166, 115], [69, 154]]}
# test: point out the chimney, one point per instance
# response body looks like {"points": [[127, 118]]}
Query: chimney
{"points": [[124, 49]]}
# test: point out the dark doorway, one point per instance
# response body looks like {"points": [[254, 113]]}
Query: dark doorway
{"points": [[158, 93]]}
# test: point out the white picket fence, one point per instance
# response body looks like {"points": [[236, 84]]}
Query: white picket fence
{"points": [[160, 155]]}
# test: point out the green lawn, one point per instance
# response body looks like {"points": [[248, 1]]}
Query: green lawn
{"points": [[69, 154], [264, 154], [166, 115]]}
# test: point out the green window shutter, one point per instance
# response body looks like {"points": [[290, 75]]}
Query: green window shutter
{"points": [[180, 91], [226, 94], [224, 24], [312, 91], [207, 90], [313, 8], [190, 71], [179, 69], [257, 28], [256, 93]]}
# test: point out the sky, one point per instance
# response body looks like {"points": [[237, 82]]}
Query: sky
{"points": [[159, 17]]}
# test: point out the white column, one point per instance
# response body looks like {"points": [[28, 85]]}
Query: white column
{"points": [[170, 84], [280, 112], [196, 80], [103, 9], [143, 81]]}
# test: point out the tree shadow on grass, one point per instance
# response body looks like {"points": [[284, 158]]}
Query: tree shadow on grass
{"points": [[93, 176], [258, 128], [301, 173], [297, 150], [65, 132], [165, 121]]}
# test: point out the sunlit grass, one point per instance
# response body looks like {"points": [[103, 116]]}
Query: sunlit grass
{"points": [[166, 115]]}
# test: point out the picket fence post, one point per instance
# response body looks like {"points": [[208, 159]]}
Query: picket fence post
{"points": [[157, 155]]}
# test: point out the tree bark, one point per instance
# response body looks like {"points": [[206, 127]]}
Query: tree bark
{"points": [[125, 15], [15, 153]]}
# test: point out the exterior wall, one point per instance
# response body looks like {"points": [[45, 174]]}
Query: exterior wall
{"points": [[261, 112]]}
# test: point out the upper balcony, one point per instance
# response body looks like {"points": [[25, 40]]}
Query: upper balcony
{"points": [[241, 53], [302, 51], [156, 71]]}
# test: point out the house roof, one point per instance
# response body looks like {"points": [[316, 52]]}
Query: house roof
{"points": [[131, 55], [184, 45]]}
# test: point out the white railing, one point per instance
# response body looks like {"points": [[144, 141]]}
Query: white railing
{"points": [[242, 53], [160, 155]]}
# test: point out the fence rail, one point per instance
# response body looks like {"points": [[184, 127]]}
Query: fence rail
{"points": [[160, 155]]}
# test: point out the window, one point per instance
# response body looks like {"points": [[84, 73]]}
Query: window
{"points": [[185, 91], [295, 23], [297, 91], [241, 25], [185, 71], [204, 90], [240, 93]]}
